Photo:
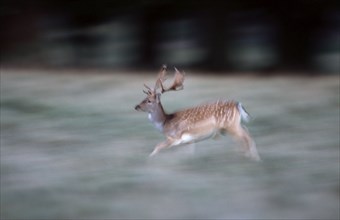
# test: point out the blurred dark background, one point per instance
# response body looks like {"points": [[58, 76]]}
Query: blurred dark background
{"points": [[262, 36]]}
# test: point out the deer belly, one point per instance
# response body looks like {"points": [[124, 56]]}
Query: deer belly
{"points": [[191, 138], [200, 131], [187, 138]]}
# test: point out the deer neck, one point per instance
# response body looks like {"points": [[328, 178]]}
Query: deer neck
{"points": [[158, 117]]}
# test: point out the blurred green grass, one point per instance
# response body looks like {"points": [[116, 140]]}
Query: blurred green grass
{"points": [[72, 146]]}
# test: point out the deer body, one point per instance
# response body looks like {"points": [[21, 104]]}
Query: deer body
{"points": [[198, 123]]}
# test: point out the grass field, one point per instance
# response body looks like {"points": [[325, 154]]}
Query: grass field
{"points": [[73, 147]]}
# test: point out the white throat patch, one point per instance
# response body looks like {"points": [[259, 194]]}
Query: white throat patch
{"points": [[158, 125]]}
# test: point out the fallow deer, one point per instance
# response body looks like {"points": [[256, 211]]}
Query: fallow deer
{"points": [[198, 123]]}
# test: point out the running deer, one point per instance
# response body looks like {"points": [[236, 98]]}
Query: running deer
{"points": [[198, 123]]}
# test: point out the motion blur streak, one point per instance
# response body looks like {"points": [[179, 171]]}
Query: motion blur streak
{"points": [[73, 147]]}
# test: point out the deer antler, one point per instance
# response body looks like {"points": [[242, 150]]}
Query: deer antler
{"points": [[178, 82], [161, 78], [149, 90], [176, 85]]}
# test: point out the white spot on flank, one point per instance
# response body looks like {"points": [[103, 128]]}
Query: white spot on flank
{"points": [[186, 138]]}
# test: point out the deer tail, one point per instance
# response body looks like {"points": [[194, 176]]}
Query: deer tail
{"points": [[245, 116]]}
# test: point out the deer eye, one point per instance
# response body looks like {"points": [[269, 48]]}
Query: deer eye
{"points": [[148, 101]]}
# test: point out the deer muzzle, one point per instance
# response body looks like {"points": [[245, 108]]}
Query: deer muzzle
{"points": [[137, 107]]}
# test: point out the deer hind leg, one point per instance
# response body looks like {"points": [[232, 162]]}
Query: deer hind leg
{"points": [[248, 145]]}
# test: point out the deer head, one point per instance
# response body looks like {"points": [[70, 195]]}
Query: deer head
{"points": [[150, 103]]}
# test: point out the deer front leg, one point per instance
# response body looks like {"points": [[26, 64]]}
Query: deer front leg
{"points": [[165, 144]]}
